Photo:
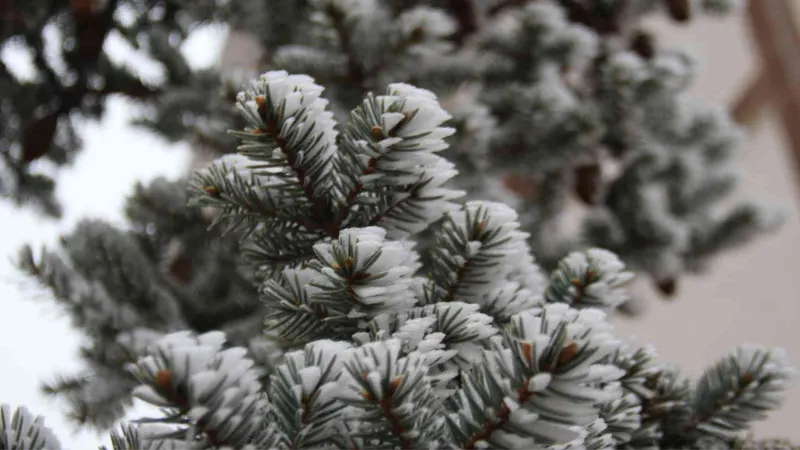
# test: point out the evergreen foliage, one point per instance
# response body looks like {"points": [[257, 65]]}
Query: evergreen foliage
{"points": [[368, 280], [364, 344], [73, 74], [554, 101]]}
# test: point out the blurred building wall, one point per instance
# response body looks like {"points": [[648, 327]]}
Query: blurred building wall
{"points": [[751, 295]]}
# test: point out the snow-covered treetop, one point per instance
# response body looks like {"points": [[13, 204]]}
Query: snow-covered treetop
{"points": [[467, 345]]}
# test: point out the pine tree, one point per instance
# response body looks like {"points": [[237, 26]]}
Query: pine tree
{"points": [[564, 88], [365, 344], [554, 100]]}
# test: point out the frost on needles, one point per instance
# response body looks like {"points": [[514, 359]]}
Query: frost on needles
{"points": [[554, 100], [375, 347]]}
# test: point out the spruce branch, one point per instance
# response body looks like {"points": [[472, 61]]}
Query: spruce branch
{"points": [[19, 429], [352, 280], [484, 351], [589, 279], [738, 390], [304, 391], [211, 392], [294, 315], [389, 143], [391, 397], [146, 436], [525, 384], [478, 245], [294, 179], [623, 418], [339, 20]]}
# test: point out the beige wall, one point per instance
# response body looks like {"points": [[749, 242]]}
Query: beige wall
{"points": [[750, 295]]}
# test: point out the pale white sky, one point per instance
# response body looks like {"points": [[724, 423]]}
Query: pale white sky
{"points": [[36, 339]]}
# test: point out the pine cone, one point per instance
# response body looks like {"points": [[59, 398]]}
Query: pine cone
{"points": [[588, 179], [679, 10], [38, 137], [667, 286], [643, 43]]}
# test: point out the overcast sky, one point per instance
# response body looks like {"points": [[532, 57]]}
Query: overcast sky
{"points": [[36, 339]]}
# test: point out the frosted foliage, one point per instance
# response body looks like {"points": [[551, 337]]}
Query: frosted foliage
{"points": [[622, 418], [139, 340], [492, 245], [400, 149], [375, 270], [218, 389], [390, 393], [20, 430], [307, 383], [749, 382], [292, 107], [390, 316], [546, 379], [292, 164], [424, 23], [150, 436], [376, 290], [593, 278], [238, 164]]}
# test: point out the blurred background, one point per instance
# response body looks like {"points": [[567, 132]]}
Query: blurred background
{"points": [[749, 295]]}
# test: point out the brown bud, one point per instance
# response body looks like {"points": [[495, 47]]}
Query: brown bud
{"points": [[679, 10], [480, 227], [527, 351], [377, 132], [164, 379], [211, 191], [261, 101], [395, 383], [588, 178], [567, 354], [643, 43]]}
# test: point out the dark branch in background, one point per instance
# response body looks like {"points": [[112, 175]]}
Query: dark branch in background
{"points": [[357, 76], [41, 109], [465, 15], [91, 30]]}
